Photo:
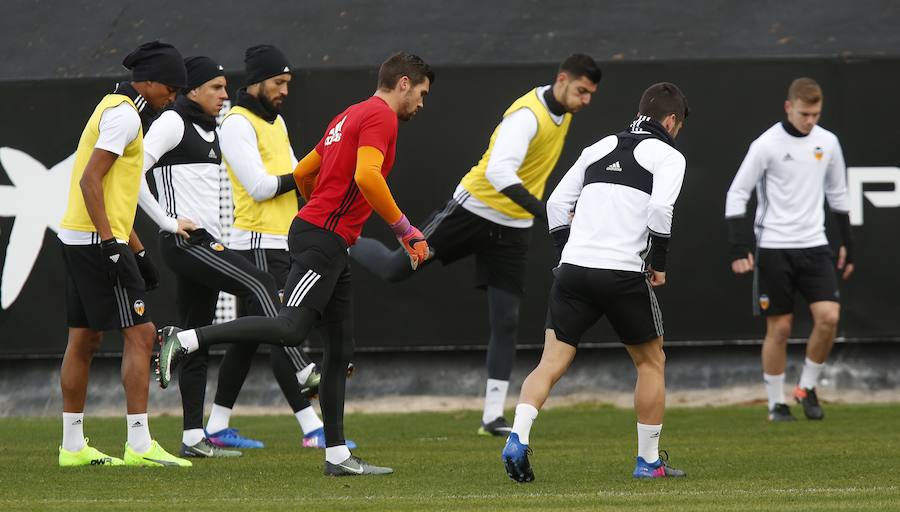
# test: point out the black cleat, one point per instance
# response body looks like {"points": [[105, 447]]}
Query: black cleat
{"points": [[781, 412], [354, 466], [498, 427], [810, 402]]}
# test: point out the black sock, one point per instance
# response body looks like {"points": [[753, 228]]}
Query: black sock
{"points": [[339, 343], [503, 310]]}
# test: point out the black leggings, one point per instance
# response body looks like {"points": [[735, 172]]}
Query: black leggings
{"points": [[503, 306], [292, 326], [203, 267]]}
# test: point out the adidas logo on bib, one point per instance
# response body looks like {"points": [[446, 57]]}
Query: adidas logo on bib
{"points": [[614, 167], [212, 154]]}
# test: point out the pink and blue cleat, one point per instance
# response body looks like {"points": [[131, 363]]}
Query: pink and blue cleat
{"points": [[658, 469], [316, 439]]}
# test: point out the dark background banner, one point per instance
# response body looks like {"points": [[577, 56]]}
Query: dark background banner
{"points": [[732, 103]]}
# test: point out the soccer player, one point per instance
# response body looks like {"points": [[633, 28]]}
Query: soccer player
{"points": [[625, 187], [182, 148], [108, 269], [491, 212], [794, 166], [260, 161], [343, 179]]}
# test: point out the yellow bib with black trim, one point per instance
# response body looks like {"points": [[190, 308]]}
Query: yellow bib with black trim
{"points": [[272, 216], [543, 152], [120, 185]]}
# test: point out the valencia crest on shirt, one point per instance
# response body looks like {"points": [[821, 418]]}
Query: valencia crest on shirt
{"points": [[818, 153]]}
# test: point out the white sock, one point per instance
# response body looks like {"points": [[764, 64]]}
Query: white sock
{"points": [[218, 419], [192, 436], [303, 374], [648, 442], [73, 431], [138, 432], [188, 340], [309, 420], [810, 375], [494, 397], [774, 389], [337, 454], [525, 416]]}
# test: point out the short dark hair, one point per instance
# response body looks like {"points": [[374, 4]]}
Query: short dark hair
{"points": [[403, 64], [805, 90], [580, 65], [662, 99]]}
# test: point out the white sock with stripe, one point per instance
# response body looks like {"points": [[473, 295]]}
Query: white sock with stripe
{"points": [[73, 431], [138, 432], [494, 397], [648, 442], [219, 417]]}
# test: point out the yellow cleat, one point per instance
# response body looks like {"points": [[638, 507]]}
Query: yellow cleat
{"points": [[156, 456], [87, 456]]}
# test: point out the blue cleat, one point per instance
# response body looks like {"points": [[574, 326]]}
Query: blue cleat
{"points": [[316, 439], [515, 458], [658, 469], [230, 438]]}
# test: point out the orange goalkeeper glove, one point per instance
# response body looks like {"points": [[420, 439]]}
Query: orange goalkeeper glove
{"points": [[412, 240]]}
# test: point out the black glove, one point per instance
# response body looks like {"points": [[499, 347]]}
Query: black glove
{"points": [[111, 256], [148, 270], [522, 197]]}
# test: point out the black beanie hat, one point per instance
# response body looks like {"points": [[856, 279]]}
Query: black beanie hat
{"points": [[264, 61], [201, 70], [157, 62]]}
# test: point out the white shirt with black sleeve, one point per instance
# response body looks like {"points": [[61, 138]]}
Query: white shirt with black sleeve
{"points": [[625, 187], [185, 190], [792, 176]]}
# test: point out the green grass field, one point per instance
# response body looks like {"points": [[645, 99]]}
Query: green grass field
{"points": [[583, 458]]}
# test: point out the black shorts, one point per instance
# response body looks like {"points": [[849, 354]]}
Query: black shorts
{"points": [[275, 262], [580, 296], [501, 252], [320, 271], [92, 300], [781, 272]]}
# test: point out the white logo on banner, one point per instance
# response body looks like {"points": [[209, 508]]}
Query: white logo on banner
{"points": [[859, 176], [37, 200]]}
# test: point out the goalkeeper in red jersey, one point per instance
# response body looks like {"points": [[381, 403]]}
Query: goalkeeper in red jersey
{"points": [[343, 180]]}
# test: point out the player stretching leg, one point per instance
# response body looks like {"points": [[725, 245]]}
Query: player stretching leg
{"points": [[625, 186], [344, 180], [794, 166], [182, 148], [491, 213]]}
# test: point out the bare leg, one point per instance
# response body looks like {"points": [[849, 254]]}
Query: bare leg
{"points": [[136, 355], [650, 390], [825, 320], [774, 349], [555, 360], [73, 376]]}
